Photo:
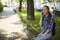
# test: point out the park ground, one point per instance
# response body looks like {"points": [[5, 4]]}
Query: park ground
{"points": [[11, 26]]}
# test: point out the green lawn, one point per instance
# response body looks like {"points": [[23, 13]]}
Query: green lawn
{"points": [[35, 23]]}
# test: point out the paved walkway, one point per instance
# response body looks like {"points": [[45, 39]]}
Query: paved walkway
{"points": [[11, 26]]}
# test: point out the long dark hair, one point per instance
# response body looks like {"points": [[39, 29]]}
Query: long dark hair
{"points": [[49, 14]]}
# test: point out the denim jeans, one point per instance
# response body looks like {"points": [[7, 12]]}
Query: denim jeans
{"points": [[43, 37]]}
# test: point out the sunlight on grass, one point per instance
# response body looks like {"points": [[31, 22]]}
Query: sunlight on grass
{"points": [[33, 22]]}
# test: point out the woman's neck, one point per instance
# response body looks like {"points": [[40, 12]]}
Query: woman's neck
{"points": [[46, 15]]}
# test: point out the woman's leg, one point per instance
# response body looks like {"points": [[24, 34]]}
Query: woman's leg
{"points": [[38, 36], [43, 37]]}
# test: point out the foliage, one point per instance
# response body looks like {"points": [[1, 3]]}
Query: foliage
{"points": [[1, 7], [0, 0], [22, 0]]}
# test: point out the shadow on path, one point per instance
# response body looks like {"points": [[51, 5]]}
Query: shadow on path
{"points": [[11, 28]]}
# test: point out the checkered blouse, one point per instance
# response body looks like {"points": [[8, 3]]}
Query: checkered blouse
{"points": [[46, 25]]}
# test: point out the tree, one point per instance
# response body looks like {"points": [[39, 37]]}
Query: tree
{"points": [[55, 3], [30, 10], [20, 6]]}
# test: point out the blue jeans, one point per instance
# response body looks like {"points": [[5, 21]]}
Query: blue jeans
{"points": [[43, 37]]}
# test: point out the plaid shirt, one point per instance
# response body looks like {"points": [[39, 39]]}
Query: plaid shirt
{"points": [[47, 26]]}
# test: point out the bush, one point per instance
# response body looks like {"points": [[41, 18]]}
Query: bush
{"points": [[1, 7]]}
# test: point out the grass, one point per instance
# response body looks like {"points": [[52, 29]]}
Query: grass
{"points": [[35, 23], [37, 17]]}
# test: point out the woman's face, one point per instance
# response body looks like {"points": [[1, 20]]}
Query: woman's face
{"points": [[45, 10]]}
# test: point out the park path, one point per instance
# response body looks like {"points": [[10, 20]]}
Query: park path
{"points": [[11, 25]]}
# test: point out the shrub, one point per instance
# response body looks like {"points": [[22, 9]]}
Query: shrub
{"points": [[1, 7]]}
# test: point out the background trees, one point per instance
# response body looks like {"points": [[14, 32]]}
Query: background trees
{"points": [[30, 9], [1, 6], [20, 6]]}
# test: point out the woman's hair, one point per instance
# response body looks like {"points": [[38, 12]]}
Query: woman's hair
{"points": [[49, 14]]}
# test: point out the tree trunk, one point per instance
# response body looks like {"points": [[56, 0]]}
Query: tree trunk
{"points": [[20, 6], [30, 10]]}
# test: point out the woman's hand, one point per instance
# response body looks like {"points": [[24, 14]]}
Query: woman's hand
{"points": [[46, 32], [42, 34]]}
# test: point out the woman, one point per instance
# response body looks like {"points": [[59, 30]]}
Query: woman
{"points": [[47, 23]]}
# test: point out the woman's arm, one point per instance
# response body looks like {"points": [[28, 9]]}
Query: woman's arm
{"points": [[40, 23]]}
